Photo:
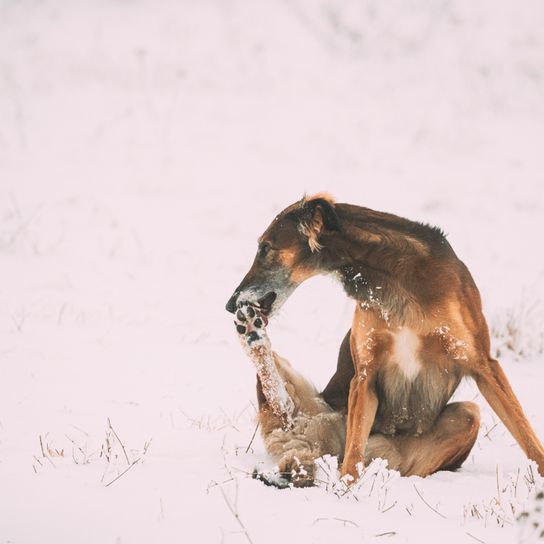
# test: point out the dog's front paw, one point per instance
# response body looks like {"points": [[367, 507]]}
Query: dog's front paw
{"points": [[250, 325]]}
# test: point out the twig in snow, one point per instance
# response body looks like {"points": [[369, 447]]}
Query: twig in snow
{"points": [[77, 446], [80, 430], [475, 538], [515, 485], [372, 486], [389, 507], [120, 443], [530, 477], [475, 511], [44, 454], [214, 483], [425, 502], [123, 473], [498, 486], [234, 512], [486, 435], [242, 471], [253, 437], [341, 520], [230, 420], [347, 490]]}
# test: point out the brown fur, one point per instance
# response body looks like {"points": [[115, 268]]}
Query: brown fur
{"points": [[418, 329]]}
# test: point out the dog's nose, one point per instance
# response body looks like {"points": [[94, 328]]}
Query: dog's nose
{"points": [[231, 304]]}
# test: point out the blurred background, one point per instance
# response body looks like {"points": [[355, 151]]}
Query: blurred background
{"points": [[144, 146]]}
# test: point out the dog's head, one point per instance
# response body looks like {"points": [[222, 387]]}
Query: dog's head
{"points": [[288, 254]]}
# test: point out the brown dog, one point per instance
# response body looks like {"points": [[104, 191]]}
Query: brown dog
{"points": [[418, 329]]}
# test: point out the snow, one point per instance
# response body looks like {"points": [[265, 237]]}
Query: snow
{"points": [[143, 149]]}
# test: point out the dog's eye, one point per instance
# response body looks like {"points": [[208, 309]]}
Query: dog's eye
{"points": [[264, 250]]}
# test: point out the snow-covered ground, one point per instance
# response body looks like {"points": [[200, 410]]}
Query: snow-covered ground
{"points": [[143, 148]]}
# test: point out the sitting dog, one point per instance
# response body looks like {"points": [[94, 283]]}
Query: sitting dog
{"points": [[417, 330]]}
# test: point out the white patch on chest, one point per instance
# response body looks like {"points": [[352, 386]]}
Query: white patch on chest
{"points": [[405, 353]]}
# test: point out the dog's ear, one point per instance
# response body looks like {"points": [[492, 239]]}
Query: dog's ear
{"points": [[318, 216]]}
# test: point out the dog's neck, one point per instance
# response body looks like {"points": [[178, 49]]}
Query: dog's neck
{"points": [[375, 275], [377, 292]]}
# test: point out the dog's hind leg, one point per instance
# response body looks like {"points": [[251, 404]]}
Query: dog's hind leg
{"points": [[444, 447]]}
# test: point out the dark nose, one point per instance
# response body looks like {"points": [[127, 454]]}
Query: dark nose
{"points": [[231, 304]]}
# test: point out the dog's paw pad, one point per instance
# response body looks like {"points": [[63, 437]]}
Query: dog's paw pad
{"points": [[250, 325], [253, 337]]}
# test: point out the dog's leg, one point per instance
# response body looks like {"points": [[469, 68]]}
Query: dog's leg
{"points": [[362, 407], [253, 337], [362, 400], [317, 430], [311, 437], [444, 447], [496, 389], [314, 429]]}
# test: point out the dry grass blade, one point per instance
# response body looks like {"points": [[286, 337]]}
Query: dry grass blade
{"points": [[234, 512], [120, 442], [475, 538], [44, 454], [253, 437], [486, 435], [426, 503], [341, 520], [123, 473]]}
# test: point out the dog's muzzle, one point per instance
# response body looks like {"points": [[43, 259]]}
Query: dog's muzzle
{"points": [[231, 304], [264, 303]]}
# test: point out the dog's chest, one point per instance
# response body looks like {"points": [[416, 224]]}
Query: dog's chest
{"points": [[405, 353], [411, 392]]}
